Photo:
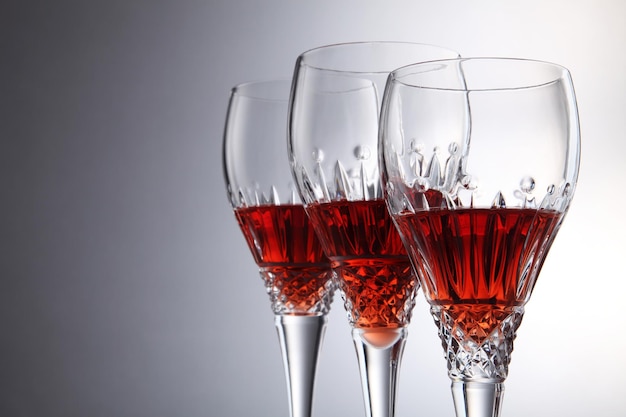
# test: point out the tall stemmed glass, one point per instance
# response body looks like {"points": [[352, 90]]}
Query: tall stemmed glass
{"points": [[479, 163], [297, 275], [333, 137]]}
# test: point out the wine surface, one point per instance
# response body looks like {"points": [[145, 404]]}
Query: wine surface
{"points": [[286, 248], [477, 264], [373, 269]]}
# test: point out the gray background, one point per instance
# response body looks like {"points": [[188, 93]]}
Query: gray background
{"points": [[125, 287]]}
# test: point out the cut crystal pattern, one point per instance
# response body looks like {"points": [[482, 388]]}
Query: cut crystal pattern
{"points": [[350, 180], [254, 196], [299, 290], [477, 339], [419, 180], [378, 294]]}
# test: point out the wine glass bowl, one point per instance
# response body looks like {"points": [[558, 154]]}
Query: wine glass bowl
{"points": [[479, 159], [296, 273], [266, 205], [333, 149]]}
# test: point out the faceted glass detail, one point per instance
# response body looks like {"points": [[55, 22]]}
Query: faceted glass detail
{"points": [[254, 196], [351, 180], [297, 274], [294, 290], [477, 339], [425, 185], [372, 266], [378, 293]]}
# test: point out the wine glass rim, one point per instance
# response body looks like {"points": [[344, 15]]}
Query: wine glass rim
{"points": [[304, 57], [258, 89], [408, 70]]}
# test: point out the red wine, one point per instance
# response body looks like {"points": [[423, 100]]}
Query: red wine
{"points": [[373, 269], [285, 246], [478, 263]]}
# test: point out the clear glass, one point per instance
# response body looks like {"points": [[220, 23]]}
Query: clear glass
{"points": [[479, 161], [333, 139], [296, 273]]}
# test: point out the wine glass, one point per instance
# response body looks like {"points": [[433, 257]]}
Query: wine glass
{"points": [[333, 139], [479, 161], [296, 273]]}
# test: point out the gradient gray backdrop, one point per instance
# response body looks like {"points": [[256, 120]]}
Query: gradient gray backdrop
{"points": [[126, 289]]}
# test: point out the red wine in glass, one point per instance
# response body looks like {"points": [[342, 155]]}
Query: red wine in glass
{"points": [[288, 252], [373, 269], [482, 262]]}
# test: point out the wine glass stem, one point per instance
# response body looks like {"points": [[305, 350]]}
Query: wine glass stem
{"points": [[379, 352], [477, 399], [300, 339]]}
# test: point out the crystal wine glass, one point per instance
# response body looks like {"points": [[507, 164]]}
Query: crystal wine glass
{"points": [[333, 139], [479, 160], [297, 274]]}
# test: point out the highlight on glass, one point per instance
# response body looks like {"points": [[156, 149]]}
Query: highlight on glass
{"points": [[479, 161]]}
